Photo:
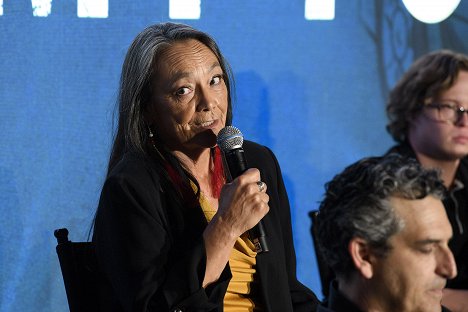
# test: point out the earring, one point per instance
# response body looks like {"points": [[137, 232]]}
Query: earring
{"points": [[151, 138]]}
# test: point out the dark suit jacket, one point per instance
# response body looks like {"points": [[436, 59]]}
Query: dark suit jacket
{"points": [[337, 302], [151, 249]]}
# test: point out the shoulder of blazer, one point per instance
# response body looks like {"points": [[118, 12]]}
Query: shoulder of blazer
{"points": [[256, 153], [135, 167], [262, 158]]}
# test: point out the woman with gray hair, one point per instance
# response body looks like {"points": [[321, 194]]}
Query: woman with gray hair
{"points": [[170, 231]]}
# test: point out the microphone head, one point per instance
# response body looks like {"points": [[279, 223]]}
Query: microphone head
{"points": [[229, 138]]}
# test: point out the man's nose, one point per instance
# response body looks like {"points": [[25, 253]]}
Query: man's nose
{"points": [[446, 265]]}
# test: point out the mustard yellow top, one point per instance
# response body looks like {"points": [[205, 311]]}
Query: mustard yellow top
{"points": [[241, 291]]}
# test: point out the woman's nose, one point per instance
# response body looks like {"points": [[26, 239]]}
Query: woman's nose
{"points": [[206, 101]]}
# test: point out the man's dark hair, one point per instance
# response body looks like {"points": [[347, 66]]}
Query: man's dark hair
{"points": [[357, 204], [429, 75]]}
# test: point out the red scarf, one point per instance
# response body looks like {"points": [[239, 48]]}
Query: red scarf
{"points": [[216, 179]]}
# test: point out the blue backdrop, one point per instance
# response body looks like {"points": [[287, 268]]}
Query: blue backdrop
{"points": [[313, 90]]}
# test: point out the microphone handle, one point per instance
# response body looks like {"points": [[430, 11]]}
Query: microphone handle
{"points": [[235, 160]]}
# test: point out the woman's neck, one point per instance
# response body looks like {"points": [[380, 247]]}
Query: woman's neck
{"points": [[197, 163], [200, 166]]}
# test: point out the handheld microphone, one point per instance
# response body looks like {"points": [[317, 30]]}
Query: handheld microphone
{"points": [[230, 141]]}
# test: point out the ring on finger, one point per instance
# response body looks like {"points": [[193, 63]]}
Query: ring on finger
{"points": [[261, 186]]}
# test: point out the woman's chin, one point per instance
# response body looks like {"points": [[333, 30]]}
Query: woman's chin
{"points": [[206, 139]]}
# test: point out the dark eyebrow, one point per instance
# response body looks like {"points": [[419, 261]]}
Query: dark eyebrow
{"points": [[215, 64], [181, 75], [428, 241], [449, 101], [177, 76]]}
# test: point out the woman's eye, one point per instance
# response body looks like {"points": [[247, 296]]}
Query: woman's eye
{"points": [[183, 91], [215, 80]]}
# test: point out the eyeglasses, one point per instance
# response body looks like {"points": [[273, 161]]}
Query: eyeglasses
{"points": [[445, 112]]}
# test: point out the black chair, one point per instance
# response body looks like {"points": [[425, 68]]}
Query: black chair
{"points": [[326, 273], [79, 272]]}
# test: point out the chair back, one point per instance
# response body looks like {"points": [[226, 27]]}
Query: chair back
{"points": [[79, 271], [326, 273]]}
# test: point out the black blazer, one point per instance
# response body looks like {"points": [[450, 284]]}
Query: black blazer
{"points": [[151, 249]]}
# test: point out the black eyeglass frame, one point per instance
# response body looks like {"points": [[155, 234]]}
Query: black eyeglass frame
{"points": [[459, 111]]}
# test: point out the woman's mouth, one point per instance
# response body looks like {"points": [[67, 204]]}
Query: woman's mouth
{"points": [[208, 124]]}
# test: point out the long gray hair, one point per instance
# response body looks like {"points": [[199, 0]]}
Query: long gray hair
{"points": [[135, 90]]}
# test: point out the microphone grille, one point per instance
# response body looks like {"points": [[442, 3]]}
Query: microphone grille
{"points": [[229, 138]]}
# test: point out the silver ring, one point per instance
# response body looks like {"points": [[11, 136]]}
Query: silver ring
{"points": [[261, 186]]}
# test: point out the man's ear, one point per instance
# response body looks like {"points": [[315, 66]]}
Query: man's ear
{"points": [[361, 255]]}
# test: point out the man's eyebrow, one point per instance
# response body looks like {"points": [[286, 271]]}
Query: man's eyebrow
{"points": [[428, 241]]}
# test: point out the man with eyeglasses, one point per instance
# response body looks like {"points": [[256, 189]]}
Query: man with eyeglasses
{"points": [[428, 118]]}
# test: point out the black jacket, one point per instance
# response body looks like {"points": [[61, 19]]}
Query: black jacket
{"points": [[151, 249], [337, 302]]}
